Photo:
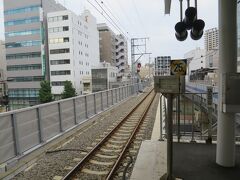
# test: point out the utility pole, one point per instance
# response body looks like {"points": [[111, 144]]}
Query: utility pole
{"points": [[149, 68], [136, 43]]}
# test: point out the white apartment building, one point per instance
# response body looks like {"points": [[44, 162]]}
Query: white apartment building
{"points": [[211, 39], [73, 49], [121, 55], [162, 66], [196, 59]]}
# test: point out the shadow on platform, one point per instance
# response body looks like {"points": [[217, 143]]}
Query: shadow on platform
{"points": [[194, 161]]}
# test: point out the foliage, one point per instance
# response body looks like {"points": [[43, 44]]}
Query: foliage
{"points": [[45, 94], [69, 90]]}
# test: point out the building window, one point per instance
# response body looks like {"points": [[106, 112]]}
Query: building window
{"points": [[58, 83], [23, 33], [65, 28], [58, 40], [22, 21], [26, 78], [59, 51], [23, 56], [58, 18], [24, 67], [23, 92], [65, 17], [62, 61], [23, 44], [58, 29], [22, 10], [66, 39], [58, 73]]}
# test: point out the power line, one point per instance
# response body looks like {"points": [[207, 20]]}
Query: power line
{"points": [[113, 22], [101, 13], [116, 18], [126, 15], [140, 21]]}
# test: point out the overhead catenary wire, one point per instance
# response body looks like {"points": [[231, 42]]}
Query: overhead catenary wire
{"points": [[109, 16], [113, 23], [139, 18], [114, 16], [128, 19]]}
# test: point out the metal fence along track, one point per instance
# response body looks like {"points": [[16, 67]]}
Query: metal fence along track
{"points": [[24, 130]]}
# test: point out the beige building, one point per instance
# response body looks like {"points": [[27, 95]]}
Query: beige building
{"points": [[211, 39], [107, 44], [113, 49]]}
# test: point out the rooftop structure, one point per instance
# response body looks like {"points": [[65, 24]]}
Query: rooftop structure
{"points": [[162, 66], [102, 76]]}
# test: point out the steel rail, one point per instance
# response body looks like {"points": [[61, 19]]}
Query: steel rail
{"points": [[111, 173], [80, 164]]}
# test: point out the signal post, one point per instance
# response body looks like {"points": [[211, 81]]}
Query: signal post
{"points": [[170, 87]]}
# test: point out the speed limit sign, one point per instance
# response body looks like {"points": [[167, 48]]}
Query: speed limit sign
{"points": [[178, 67]]}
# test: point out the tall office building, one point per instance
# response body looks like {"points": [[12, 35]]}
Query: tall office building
{"points": [[2, 68], [26, 47], [211, 39], [73, 50], [113, 49], [162, 66], [107, 44]]}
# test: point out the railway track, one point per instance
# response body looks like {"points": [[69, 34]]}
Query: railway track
{"points": [[104, 159]]}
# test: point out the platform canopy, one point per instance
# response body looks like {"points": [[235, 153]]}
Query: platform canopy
{"points": [[167, 6]]}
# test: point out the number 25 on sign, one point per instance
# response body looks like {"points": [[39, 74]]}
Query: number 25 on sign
{"points": [[178, 67]]}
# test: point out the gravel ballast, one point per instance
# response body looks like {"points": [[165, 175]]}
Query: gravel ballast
{"points": [[57, 163]]}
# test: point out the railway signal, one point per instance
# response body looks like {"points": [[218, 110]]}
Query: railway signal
{"points": [[139, 65], [190, 22]]}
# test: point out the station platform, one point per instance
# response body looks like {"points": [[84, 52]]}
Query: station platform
{"points": [[191, 161], [151, 162]]}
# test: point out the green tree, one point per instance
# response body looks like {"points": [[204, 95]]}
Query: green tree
{"points": [[69, 90], [45, 94]]}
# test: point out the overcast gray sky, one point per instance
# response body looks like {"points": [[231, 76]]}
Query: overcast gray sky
{"points": [[145, 18]]}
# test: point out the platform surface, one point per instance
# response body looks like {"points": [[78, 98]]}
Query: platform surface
{"points": [[195, 161], [151, 161], [191, 161]]}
